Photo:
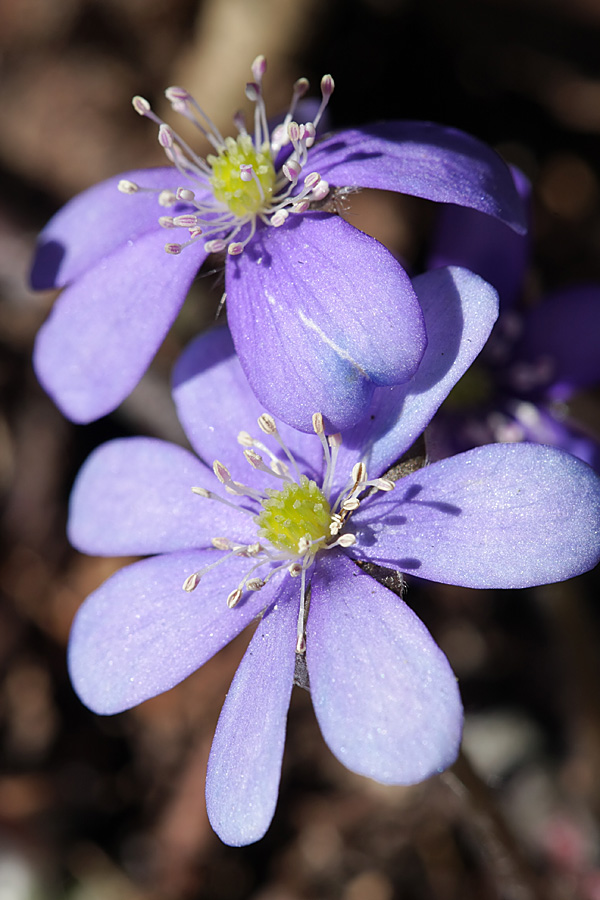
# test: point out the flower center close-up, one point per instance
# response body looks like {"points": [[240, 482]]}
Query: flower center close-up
{"points": [[294, 523], [226, 193]]}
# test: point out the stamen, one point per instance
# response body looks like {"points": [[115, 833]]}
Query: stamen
{"points": [[210, 495], [267, 424], [127, 187], [301, 640]]}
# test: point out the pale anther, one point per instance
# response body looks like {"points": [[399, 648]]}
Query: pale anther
{"points": [[141, 105], [255, 584], [221, 543], [185, 194], [266, 423], [317, 423], [222, 472], [259, 67], [202, 492], [127, 187], [167, 198], [191, 582], [351, 504], [234, 598], [346, 540]]}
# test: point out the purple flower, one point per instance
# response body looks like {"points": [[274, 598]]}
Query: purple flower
{"points": [[383, 692], [537, 358], [320, 313]]}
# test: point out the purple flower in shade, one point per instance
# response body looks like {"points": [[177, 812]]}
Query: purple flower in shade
{"points": [[301, 530], [537, 358], [321, 314]]}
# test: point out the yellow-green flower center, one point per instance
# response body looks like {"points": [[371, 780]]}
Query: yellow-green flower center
{"points": [[243, 198], [296, 512]]}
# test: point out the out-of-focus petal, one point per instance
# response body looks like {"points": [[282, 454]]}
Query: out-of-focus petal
{"points": [[466, 237], [499, 516], [140, 633], [134, 497], [384, 694], [97, 222], [104, 330], [320, 314], [425, 160], [564, 333], [548, 425], [244, 768], [215, 402], [460, 310]]}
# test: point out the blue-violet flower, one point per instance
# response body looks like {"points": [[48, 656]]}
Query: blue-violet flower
{"points": [[538, 357], [292, 543], [320, 313]]}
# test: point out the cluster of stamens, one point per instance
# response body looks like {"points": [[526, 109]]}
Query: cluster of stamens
{"points": [[238, 184], [295, 522]]}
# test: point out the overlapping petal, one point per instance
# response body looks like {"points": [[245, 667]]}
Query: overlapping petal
{"points": [[320, 314], [105, 328], [133, 497], [97, 222], [460, 310], [484, 244], [384, 694], [425, 160], [214, 403], [140, 633], [499, 516], [244, 768]]}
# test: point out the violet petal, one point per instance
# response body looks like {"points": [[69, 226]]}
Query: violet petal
{"points": [[140, 633], [499, 516], [563, 332], [133, 497], [425, 160], [384, 694], [98, 221], [468, 238], [104, 330], [460, 310], [244, 767], [215, 402], [306, 337]]}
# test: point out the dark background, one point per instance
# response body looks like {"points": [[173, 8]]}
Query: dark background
{"points": [[113, 809]]}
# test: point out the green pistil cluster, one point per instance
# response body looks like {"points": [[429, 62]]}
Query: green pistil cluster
{"points": [[296, 512], [243, 198]]}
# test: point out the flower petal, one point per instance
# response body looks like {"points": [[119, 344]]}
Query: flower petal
{"points": [[460, 310], [215, 402], [105, 329], [540, 424], [97, 222], [499, 516], [564, 330], [306, 338], [140, 633], [133, 497], [465, 237], [425, 160], [384, 694], [244, 767]]}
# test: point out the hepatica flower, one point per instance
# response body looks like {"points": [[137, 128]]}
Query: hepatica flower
{"points": [[289, 535], [320, 313], [538, 357]]}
